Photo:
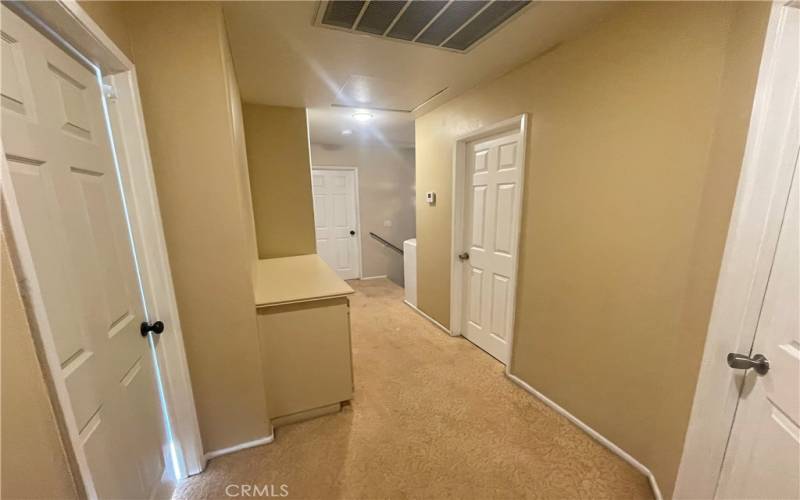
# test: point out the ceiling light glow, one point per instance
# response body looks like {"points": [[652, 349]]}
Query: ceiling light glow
{"points": [[347, 131], [362, 116]]}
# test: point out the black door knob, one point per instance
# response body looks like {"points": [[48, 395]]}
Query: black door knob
{"points": [[146, 327], [352, 233]]}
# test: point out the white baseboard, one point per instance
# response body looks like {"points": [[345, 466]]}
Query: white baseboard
{"points": [[240, 447], [654, 486], [380, 276], [593, 433], [416, 309]]}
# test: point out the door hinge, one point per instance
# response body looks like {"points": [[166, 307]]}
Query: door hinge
{"points": [[109, 92]]}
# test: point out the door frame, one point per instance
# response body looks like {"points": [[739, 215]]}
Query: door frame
{"points": [[517, 124], [761, 198], [70, 27], [358, 209]]}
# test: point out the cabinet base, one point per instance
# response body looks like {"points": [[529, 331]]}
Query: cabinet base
{"points": [[305, 415]]}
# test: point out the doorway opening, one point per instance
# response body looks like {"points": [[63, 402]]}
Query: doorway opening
{"points": [[363, 186], [488, 186]]}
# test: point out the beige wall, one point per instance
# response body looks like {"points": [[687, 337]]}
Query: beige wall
{"points": [[240, 148], [110, 16], [280, 179], [636, 138], [34, 463], [385, 192], [189, 109]]}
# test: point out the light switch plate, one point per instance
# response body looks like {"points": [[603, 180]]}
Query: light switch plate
{"points": [[430, 197]]}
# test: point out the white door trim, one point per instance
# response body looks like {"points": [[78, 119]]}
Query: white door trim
{"points": [[358, 209], [761, 199], [516, 124], [66, 20]]}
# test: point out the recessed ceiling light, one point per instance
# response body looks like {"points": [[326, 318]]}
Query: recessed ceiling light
{"points": [[362, 116], [347, 131]]}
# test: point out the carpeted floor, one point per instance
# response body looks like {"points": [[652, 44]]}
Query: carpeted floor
{"points": [[433, 417]]}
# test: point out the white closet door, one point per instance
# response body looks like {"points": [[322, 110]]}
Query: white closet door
{"points": [[65, 187], [494, 174]]}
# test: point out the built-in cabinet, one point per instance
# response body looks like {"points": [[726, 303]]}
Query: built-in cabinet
{"points": [[304, 335]]}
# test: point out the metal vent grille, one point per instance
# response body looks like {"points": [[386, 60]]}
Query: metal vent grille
{"points": [[456, 25]]}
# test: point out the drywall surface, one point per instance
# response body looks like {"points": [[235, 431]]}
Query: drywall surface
{"points": [[189, 110], [280, 180], [110, 16], [636, 137]]}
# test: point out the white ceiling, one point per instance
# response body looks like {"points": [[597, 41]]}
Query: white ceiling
{"points": [[282, 59], [326, 125]]}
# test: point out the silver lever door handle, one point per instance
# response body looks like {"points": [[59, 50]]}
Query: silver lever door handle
{"points": [[759, 363], [463, 256]]}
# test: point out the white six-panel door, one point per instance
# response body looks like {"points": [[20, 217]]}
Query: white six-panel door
{"points": [[66, 191], [336, 220], [762, 458], [491, 201], [763, 455]]}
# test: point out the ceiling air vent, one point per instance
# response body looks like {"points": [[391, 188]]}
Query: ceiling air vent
{"points": [[456, 25]]}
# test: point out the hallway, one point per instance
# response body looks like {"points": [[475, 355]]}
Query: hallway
{"points": [[432, 417]]}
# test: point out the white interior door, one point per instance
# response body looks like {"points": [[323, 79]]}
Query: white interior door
{"points": [[88, 310], [763, 455], [336, 221], [491, 212]]}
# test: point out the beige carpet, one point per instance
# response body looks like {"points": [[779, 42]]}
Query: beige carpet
{"points": [[433, 417]]}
